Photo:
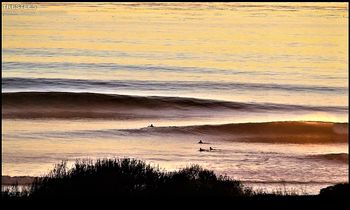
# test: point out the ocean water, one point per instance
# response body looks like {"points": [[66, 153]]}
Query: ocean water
{"points": [[115, 68]]}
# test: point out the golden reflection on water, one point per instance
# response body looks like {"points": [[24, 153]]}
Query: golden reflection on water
{"points": [[249, 38]]}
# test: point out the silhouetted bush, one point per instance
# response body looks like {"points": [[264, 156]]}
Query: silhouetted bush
{"points": [[336, 191], [130, 177], [14, 192]]}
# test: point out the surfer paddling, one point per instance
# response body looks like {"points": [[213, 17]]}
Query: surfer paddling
{"points": [[206, 150]]}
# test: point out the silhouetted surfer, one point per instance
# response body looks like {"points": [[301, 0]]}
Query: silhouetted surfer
{"points": [[201, 150], [200, 142], [211, 149], [151, 126]]}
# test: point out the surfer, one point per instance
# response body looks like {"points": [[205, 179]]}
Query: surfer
{"points": [[200, 142], [210, 148], [151, 126], [201, 150]]}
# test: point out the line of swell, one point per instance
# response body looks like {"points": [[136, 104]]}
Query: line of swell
{"points": [[28, 83], [296, 132], [108, 103], [335, 157]]}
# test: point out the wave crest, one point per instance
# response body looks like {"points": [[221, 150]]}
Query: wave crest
{"points": [[335, 157]]}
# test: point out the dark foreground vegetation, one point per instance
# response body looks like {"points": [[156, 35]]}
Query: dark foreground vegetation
{"points": [[130, 178]]}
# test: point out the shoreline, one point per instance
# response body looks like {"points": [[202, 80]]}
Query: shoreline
{"points": [[20, 180]]}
